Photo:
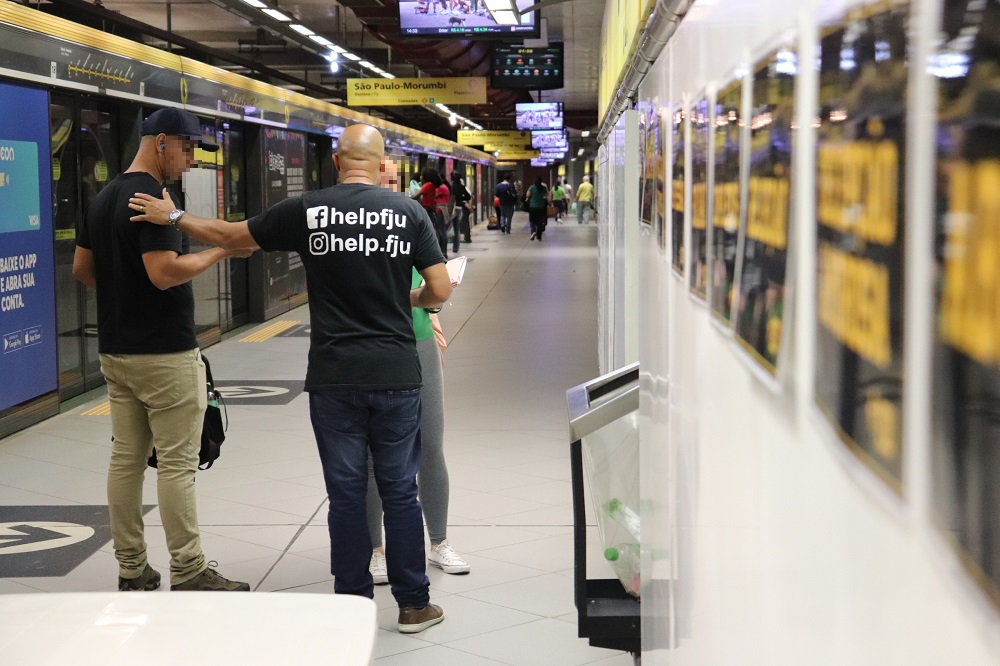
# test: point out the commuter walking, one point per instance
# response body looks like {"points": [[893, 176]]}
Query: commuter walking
{"points": [[559, 200], [584, 199], [150, 357], [461, 196], [538, 200], [428, 197], [507, 194], [442, 199], [364, 373]]}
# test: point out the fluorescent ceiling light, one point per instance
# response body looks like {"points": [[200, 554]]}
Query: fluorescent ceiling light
{"points": [[339, 49], [301, 29], [351, 56], [320, 39], [276, 15], [388, 75], [585, 133], [506, 18], [255, 3]]}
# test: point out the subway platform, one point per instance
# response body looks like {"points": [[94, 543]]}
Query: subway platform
{"points": [[522, 328]]}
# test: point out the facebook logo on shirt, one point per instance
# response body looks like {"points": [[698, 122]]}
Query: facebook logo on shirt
{"points": [[317, 217]]}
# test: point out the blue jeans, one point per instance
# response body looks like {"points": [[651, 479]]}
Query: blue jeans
{"points": [[347, 424], [506, 217]]}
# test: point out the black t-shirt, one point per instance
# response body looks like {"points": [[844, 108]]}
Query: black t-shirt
{"points": [[133, 316], [359, 245]]}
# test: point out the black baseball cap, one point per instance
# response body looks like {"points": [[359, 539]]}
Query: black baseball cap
{"points": [[177, 122]]}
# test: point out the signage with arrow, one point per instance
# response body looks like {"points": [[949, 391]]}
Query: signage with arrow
{"points": [[43, 541], [28, 537]]}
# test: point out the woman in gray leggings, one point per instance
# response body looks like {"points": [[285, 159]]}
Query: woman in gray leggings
{"points": [[432, 477]]}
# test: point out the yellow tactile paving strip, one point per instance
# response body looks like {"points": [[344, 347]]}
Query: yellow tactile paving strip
{"points": [[270, 331], [103, 409]]}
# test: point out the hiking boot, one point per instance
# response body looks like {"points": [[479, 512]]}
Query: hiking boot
{"points": [[414, 620], [378, 569], [445, 558], [210, 580], [147, 581]]}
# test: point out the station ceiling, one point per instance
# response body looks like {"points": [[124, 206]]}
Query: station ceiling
{"points": [[232, 35]]}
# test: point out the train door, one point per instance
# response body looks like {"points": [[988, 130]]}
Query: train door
{"points": [[85, 157], [234, 298]]}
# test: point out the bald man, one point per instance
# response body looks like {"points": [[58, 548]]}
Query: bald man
{"points": [[359, 244]]}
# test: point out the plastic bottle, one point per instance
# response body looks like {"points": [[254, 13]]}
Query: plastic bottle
{"points": [[625, 516], [624, 559]]}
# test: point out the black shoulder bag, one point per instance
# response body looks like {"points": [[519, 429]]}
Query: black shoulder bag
{"points": [[213, 431]]}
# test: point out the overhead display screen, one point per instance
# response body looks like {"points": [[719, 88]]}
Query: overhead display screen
{"points": [[464, 18], [552, 154], [539, 115], [527, 68], [549, 139]]}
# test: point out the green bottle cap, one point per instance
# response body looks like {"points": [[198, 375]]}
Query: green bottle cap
{"points": [[611, 554]]}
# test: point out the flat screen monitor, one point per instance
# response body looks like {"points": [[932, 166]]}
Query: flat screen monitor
{"points": [[549, 139], [465, 18], [539, 115], [552, 154], [527, 68], [539, 162]]}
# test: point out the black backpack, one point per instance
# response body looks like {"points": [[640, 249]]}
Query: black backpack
{"points": [[213, 431]]}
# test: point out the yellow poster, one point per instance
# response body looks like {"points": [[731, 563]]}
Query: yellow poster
{"points": [[414, 92], [482, 137]]}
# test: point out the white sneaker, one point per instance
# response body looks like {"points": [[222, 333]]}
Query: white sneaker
{"points": [[443, 557], [380, 574]]}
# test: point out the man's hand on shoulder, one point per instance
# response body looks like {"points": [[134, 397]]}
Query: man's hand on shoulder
{"points": [[150, 208]]}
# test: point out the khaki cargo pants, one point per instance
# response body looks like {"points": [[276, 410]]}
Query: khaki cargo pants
{"points": [[157, 400]]}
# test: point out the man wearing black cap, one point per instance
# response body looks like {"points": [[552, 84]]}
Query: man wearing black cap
{"points": [[149, 355]]}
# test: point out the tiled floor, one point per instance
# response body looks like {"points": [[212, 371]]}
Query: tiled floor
{"points": [[522, 329]]}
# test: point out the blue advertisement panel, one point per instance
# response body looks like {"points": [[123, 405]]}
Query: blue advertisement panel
{"points": [[27, 276]]}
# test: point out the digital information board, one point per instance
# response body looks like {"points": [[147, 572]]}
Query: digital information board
{"points": [[527, 68]]}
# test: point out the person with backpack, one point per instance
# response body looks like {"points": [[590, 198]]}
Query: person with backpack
{"points": [[537, 198], [507, 195]]}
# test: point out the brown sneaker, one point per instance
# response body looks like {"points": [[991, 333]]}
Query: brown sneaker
{"points": [[147, 581], [210, 580], [415, 620]]}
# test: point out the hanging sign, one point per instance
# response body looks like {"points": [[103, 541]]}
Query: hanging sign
{"points": [[415, 92], [482, 137]]}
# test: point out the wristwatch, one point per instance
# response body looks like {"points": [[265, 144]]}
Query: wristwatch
{"points": [[175, 217]]}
